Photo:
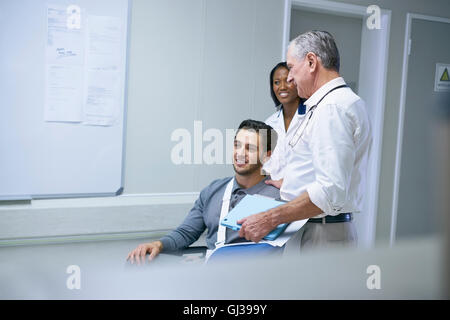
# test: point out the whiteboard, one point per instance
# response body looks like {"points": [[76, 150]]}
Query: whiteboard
{"points": [[72, 155]]}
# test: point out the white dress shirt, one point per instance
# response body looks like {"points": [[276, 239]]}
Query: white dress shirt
{"points": [[329, 161], [276, 164]]}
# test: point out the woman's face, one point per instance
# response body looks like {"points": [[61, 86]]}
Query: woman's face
{"points": [[286, 92]]}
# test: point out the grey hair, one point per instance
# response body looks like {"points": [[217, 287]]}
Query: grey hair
{"points": [[321, 43]]}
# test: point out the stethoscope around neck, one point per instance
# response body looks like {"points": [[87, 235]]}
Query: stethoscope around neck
{"points": [[299, 132]]}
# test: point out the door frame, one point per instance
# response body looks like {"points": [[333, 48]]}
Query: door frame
{"points": [[401, 117], [377, 99]]}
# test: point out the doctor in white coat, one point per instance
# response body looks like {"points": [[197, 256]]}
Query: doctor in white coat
{"points": [[290, 112], [326, 158]]}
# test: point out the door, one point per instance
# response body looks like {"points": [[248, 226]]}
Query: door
{"points": [[417, 214]]}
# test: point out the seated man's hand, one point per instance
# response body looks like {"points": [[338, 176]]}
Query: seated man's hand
{"points": [[154, 248]]}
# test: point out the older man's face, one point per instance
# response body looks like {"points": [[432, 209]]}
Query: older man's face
{"points": [[298, 73]]}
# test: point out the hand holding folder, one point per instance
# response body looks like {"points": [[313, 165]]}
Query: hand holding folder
{"points": [[249, 205]]}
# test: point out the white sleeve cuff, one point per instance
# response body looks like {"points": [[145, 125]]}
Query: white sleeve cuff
{"points": [[318, 196]]}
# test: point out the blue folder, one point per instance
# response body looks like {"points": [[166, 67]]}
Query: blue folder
{"points": [[245, 250], [249, 205]]}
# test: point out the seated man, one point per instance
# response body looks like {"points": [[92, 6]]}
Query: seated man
{"points": [[253, 145]]}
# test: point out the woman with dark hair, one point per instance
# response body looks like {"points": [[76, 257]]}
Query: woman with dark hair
{"points": [[290, 113]]}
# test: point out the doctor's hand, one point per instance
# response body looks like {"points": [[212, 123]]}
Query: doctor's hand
{"points": [[275, 183], [256, 226], [154, 248]]}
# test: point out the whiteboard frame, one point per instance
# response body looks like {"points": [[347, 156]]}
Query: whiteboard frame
{"points": [[119, 191]]}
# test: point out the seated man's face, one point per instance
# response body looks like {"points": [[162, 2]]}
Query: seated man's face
{"points": [[246, 158]]}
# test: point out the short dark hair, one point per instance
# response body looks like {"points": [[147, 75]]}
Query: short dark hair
{"points": [[272, 73], [270, 137]]}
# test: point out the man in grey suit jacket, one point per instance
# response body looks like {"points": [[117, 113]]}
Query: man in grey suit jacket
{"points": [[253, 145]]}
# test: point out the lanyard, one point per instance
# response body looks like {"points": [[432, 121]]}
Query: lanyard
{"points": [[221, 231], [308, 116]]}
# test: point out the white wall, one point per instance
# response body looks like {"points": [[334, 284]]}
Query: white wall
{"points": [[194, 60], [205, 60]]}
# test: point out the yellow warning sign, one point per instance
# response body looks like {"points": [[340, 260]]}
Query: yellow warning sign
{"points": [[442, 78], [445, 76]]}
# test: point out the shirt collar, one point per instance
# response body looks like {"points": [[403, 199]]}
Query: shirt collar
{"points": [[280, 110], [300, 110], [301, 107], [252, 190], [323, 91]]}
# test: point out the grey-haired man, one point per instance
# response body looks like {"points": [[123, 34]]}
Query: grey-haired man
{"points": [[327, 156]]}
